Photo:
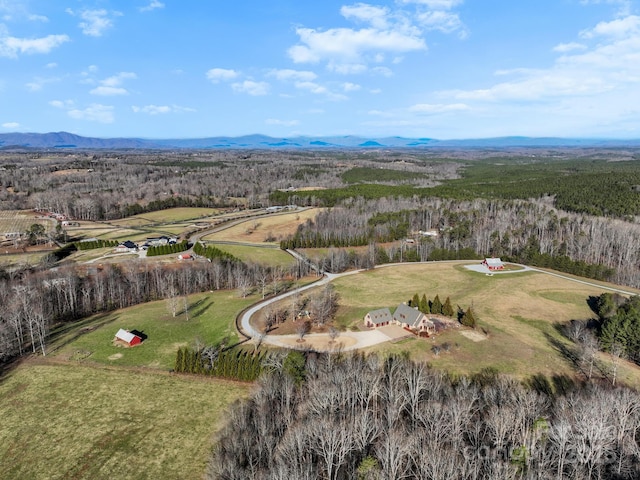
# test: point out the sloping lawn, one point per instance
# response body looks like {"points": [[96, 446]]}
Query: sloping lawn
{"points": [[211, 318], [68, 421]]}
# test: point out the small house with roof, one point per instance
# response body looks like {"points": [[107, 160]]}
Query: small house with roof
{"points": [[126, 247], [378, 318], [493, 263], [413, 319], [127, 338]]}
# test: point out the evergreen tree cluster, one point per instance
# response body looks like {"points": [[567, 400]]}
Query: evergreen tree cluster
{"points": [[531, 256], [232, 363], [168, 249], [90, 245], [212, 252], [434, 306], [620, 326]]}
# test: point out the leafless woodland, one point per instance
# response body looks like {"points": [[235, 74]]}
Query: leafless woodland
{"points": [[360, 417]]}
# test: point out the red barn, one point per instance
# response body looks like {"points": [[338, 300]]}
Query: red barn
{"points": [[127, 338], [493, 263]]}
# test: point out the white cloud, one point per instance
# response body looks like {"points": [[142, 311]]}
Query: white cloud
{"points": [[66, 104], [11, 125], [346, 68], [350, 87], [12, 46], [39, 82], [284, 123], [569, 47], [37, 18], [436, 4], [221, 74], [318, 89], [376, 16], [160, 109], [348, 44], [620, 27], [293, 75], [154, 4], [95, 22], [610, 66], [94, 113], [112, 86], [438, 108], [106, 91], [51, 65], [442, 21], [251, 88]]}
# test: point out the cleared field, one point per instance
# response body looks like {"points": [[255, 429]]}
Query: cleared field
{"points": [[259, 229], [69, 421], [12, 221], [265, 256], [166, 216], [211, 318], [519, 312]]}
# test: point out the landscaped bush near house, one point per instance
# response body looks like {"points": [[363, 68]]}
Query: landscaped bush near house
{"points": [[168, 249]]}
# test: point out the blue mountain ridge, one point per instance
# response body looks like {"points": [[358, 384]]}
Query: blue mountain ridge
{"points": [[71, 141]]}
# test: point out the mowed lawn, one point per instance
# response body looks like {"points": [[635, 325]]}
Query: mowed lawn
{"points": [[517, 310], [259, 229], [211, 318], [62, 421]]}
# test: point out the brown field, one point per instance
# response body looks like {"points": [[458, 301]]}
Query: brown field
{"points": [[257, 230], [517, 313]]}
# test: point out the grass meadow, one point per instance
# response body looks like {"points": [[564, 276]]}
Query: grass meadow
{"points": [[265, 256], [517, 314], [211, 318], [69, 421], [259, 229]]}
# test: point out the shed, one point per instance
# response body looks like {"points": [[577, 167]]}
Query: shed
{"points": [[130, 339]]}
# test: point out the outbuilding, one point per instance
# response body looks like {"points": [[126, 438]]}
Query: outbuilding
{"points": [[378, 318], [129, 339], [493, 263]]}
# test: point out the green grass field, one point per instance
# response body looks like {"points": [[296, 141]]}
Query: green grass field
{"points": [[211, 318], [265, 256], [69, 421], [519, 312]]}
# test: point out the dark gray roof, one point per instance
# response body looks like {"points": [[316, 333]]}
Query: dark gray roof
{"points": [[406, 314], [382, 315]]}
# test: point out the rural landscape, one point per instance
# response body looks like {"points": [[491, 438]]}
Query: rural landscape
{"points": [[370, 313]]}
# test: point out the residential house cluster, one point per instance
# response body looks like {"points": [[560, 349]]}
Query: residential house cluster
{"points": [[405, 316]]}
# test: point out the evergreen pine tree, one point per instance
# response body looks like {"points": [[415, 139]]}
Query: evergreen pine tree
{"points": [[424, 304], [436, 306], [447, 308]]}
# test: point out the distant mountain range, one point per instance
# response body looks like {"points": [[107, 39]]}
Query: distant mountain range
{"points": [[71, 141]]}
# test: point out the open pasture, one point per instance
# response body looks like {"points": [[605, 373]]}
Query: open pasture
{"points": [[262, 228], [65, 420], [170, 215], [517, 314], [211, 318]]}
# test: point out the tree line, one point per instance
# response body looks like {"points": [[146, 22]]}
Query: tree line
{"points": [[32, 302], [361, 417]]}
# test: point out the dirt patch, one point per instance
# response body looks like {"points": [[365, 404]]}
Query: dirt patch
{"points": [[320, 343], [473, 336], [115, 356]]}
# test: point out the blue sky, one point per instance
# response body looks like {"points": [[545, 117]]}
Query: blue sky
{"points": [[414, 68]]}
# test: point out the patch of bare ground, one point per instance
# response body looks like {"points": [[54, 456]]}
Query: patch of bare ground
{"points": [[473, 335]]}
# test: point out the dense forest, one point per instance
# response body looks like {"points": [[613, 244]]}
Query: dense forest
{"points": [[355, 417]]}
